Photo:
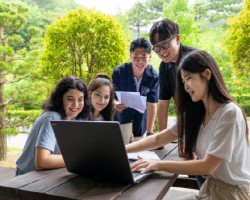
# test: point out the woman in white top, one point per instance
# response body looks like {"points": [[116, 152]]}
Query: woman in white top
{"points": [[212, 132], [101, 94]]}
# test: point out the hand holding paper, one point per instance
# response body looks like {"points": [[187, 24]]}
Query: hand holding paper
{"points": [[132, 100]]}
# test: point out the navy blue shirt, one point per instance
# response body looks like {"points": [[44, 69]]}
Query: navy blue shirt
{"points": [[123, 80]]}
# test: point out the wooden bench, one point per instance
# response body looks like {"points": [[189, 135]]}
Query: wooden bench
{"points": [[7, 173]]}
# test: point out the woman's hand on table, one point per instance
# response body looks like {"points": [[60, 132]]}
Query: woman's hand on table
{"points": [[144, 165]]}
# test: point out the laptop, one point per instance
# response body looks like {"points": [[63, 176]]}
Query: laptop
{"points": [[95, 149]]}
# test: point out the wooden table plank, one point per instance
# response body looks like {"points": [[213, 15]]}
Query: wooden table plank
{"points": [[37, 189], [170, 151], [153, 187], [8, 188], [71, 189], [7, 173], [105, 191]]}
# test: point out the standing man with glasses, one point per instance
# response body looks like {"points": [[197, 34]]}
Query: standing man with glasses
{"points": [[137, 76], [166, 41], [165, 38]]}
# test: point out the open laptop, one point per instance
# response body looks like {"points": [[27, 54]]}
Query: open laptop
{"points": [[95, 149]]}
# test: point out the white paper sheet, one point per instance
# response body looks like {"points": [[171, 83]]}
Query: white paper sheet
{"points": [[132, 100], [144, 154]]}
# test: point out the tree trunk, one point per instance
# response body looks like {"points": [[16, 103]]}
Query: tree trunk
{"points": [[3, 140], [138, 30], [3, 137], [3, 146]]}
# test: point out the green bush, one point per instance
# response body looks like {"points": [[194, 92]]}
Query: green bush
{"points": [[17, 118], [244, 101], [242, 98], [246, 108]]}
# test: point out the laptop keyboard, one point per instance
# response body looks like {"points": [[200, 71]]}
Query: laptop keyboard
{"points": [[136, 174]]}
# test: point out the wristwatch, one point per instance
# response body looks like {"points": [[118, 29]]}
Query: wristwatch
{"points": [[149, 133]]}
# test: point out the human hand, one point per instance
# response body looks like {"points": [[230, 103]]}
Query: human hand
{"points": [[144, 165], [120, 107], [131, 139]]}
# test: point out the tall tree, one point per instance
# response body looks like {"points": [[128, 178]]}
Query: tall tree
{"points": [[217, 11], [83, 43], [58, 6], [13, 55], [39, 16], [237, 42], [180, 12], [139, 16], [223, 9], [156, 7]]}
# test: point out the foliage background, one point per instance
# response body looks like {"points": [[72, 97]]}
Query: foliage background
{"points": [[203, 24]]}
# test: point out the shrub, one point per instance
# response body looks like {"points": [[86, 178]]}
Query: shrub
{"points": [[18, 118]]}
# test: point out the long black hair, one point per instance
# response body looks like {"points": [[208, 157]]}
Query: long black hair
{"points": [[190, 115], [55, 101]]}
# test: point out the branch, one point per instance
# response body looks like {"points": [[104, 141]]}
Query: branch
{"points": [[23, 44], [14, 31], [2, 105], [11, 98], [17, 80], [19, 124]]}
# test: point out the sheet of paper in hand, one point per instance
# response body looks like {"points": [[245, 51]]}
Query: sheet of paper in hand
{"points": [[132, 100]]}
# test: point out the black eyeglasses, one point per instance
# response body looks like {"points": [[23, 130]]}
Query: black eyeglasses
{"points": [[165, 45]]}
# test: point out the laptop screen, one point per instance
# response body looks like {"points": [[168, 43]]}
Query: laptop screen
{"points": [[94, 149]]}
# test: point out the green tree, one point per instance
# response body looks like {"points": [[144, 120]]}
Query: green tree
{"points": [[216, 12], [181, 13], [237, 42], [59, 6], [14, 66], [123, 21], [44, 12], [83, 43], [139, 16], [156, 7], [206, 41], [35, 96], [223, 9]]}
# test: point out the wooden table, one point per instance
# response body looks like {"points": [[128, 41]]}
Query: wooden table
{"points": [[61, 184]]}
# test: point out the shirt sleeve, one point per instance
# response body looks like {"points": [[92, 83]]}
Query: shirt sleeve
{"points": [[46, 137], [228, 131]]}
